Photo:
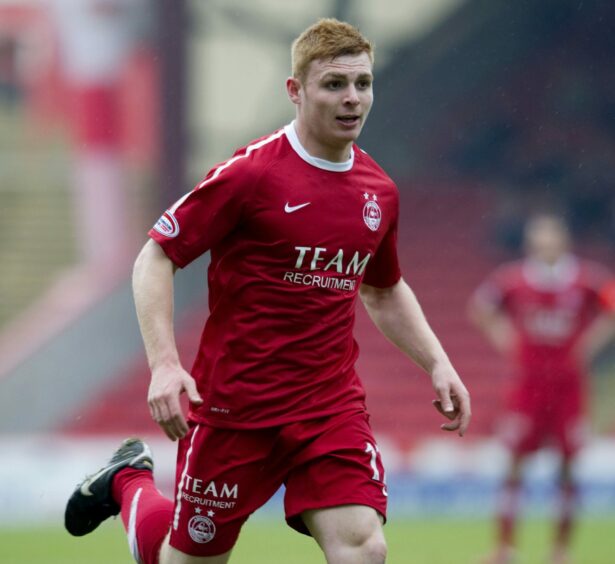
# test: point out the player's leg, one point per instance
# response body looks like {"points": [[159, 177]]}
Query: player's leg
{"points": [[335, 488], [349, 534], [570, 433], [125, 484], [565, 513], [571, 438], [508, 512], [170, 555], [521, 434]]}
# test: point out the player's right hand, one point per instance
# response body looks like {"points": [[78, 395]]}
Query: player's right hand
{"points": [[165, 408]]}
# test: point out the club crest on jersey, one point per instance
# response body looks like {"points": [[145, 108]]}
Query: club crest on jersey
{"points": [[372, 215], [167, 225], [201, 529]]}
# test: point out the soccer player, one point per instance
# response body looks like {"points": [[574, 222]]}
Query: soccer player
{"points": [[544, 313], [298, 223]]}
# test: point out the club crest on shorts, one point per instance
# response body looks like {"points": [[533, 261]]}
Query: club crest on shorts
{"points": [[201, 529], [167, 225], [372, 215]]}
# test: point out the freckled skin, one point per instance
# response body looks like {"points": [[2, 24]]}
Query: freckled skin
{"points": [[332, 89]]}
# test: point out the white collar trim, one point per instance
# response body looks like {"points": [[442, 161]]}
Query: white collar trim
{"points": [[556, 276], [293, 139]]}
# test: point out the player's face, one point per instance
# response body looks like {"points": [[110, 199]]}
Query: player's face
{"points": [[546, 239], [333, 101]]}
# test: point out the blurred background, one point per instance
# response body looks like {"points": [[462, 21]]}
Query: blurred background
{"points": [[485, 111]]}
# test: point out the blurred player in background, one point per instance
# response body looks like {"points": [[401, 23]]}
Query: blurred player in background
{"points": [[299, 223], [545, 313]]}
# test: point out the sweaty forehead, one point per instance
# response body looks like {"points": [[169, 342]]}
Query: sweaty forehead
{"points": [[344, 64]]}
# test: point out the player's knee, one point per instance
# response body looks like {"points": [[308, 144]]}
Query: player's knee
{"points": [[374, 550], [169, 555], [369, 548]]}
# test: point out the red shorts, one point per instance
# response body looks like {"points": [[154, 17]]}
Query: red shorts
{"points": [[541, 416], [224, 475]]}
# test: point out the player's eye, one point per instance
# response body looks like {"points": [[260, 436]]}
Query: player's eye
{"points": [[333, 84], [364, 84]]}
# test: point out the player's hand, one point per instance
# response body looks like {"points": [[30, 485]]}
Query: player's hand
{"points": [[163, 399], [453, 399]]}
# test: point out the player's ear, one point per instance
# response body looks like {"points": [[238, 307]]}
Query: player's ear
{"points": [[293, 89]]}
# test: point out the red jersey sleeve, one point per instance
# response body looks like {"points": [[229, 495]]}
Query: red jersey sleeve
{"points": [[491, 293], [607, 297], [204, 217], [383, 270], [599, 283]]}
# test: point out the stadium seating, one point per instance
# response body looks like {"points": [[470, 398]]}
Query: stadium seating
{"points": [[443, 258]]}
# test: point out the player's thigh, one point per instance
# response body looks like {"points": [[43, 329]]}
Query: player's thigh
{"points": [[346, 526], [342, 466], [521, 432], [170, 555], [572, 434]]}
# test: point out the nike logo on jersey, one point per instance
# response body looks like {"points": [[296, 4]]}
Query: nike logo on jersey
{"points": [[290, 209]]}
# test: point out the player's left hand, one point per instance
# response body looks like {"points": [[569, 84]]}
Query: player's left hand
{"points": [[453, 400]]}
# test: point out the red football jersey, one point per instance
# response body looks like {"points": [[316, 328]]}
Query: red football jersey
{"points": [[291, 239], [549, 306]]}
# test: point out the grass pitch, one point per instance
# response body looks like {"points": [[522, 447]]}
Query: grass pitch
{"points": [[432, 541]]}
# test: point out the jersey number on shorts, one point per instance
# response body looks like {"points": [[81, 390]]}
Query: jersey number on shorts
{"points": [[373, 452]]}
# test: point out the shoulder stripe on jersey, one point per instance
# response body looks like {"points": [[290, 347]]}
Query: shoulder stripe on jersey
{"points": [[225, 165]]}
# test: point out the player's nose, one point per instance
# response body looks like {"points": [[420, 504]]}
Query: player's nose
{"points": [[352, 96]]}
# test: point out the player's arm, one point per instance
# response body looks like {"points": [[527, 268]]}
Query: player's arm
{"points": [[596, 337], [493, 324], [152, 282], [602, 330], [398, 315]]}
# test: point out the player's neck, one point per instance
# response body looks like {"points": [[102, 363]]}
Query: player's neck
{"points": [[552, 261], [321, 150]]}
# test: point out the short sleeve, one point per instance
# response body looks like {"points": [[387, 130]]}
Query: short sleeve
{"points": [[490, 294], [607, 297], [383, 270], [206, 215]]}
